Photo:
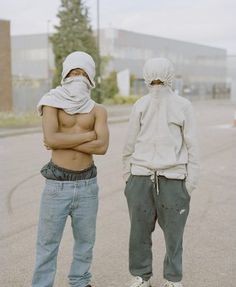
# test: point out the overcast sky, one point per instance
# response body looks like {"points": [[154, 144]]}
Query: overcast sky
{"points": [[207, 22]]}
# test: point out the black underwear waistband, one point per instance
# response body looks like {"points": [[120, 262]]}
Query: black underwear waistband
{"points": [[55, 172]]}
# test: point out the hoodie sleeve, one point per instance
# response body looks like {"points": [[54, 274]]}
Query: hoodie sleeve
{"points": [[133, 130], [190, 139]]}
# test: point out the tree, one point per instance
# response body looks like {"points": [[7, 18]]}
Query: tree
{"points": [[74, 33], [109, 86]]}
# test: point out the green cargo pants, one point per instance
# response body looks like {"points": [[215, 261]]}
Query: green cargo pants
{"points": [[170, 207]]}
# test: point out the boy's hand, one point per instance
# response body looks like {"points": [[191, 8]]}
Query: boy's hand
{"points": [[46, 146], [92, 135]]}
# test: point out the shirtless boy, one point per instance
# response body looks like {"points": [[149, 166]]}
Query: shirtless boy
{"points": [[74, 128]]}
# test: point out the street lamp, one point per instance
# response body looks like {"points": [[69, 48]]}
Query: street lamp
{"points": [[48, 55], [98, 55]]}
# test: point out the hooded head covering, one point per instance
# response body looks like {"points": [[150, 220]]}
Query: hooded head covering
{"points": [[73, 96], [158, 69], [79, 60]]}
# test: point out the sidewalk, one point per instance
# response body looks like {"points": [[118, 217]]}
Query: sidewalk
{"points": [[210, 235], [120, 113], [116, 114]]}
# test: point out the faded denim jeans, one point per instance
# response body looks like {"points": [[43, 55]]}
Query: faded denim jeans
{"points": [[79, 199]]}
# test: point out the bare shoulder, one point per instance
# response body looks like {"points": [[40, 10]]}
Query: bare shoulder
{"points": [[50, 119], [100, 111], [49, 110]]}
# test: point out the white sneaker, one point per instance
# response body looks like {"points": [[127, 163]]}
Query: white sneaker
{"points": [[139, 282], [172, 284]]}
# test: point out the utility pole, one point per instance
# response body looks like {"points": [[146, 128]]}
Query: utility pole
{"points": [[98, 55], [48, 56]]}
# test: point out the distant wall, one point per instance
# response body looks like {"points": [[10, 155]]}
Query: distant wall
{"points": [[5, 67], [32, 70], [200, 70], [231, 69], [27, 93]]}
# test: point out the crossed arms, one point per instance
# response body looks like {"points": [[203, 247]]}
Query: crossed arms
{"points": [[92, 142]]}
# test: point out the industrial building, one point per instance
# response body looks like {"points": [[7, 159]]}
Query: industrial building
{"points": [[5, 67], [201, 70]]}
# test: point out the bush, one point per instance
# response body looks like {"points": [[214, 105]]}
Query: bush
{"points": [[109, 86], [122, 100], [15, 120]]}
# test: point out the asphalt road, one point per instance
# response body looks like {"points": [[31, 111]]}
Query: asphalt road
{"points": [[210, 236]]}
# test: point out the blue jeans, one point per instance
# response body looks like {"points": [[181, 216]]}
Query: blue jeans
{"points": [[79, 199]]}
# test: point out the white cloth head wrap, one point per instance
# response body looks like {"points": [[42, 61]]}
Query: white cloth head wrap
{"points": [[158, 69], [73, 96], [80, 60]]}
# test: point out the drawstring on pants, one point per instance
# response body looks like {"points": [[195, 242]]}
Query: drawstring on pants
{"points": [[154, 179]]}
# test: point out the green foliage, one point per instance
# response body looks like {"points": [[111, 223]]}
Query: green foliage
{"points": [[104, 61], [109, 86], [74, 33], [121, 100], [95, 96], [16, 120], [132, 79], [99, 93]]}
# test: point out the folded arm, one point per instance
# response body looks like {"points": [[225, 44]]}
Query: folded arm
{"points": [[55, 139], [100, 144]]}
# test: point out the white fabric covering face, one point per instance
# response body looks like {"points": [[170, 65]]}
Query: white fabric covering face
{"points": [[80, 60], [158, 69], [73, 96]]}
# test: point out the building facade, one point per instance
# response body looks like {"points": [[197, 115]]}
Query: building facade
{"points": [[5, 67], [231, 73], [32, 69], [200, 70]]}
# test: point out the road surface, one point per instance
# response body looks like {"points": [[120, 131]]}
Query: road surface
{"points": [[210, 236]]}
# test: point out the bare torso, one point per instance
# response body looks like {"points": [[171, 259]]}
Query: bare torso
{"points": [[68, 158]]}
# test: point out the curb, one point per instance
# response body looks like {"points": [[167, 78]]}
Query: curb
{"points": [[20, 131]]}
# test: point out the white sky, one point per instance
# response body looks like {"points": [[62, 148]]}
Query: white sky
{"points": [[207, 22]]}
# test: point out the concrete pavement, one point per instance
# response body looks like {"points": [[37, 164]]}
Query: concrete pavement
{"points": [[210, 237]]}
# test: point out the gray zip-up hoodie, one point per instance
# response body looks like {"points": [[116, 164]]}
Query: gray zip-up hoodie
{"points": [[161, 134]]}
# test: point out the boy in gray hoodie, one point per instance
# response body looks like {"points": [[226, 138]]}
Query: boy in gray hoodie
{"points": [[160, 165]]}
